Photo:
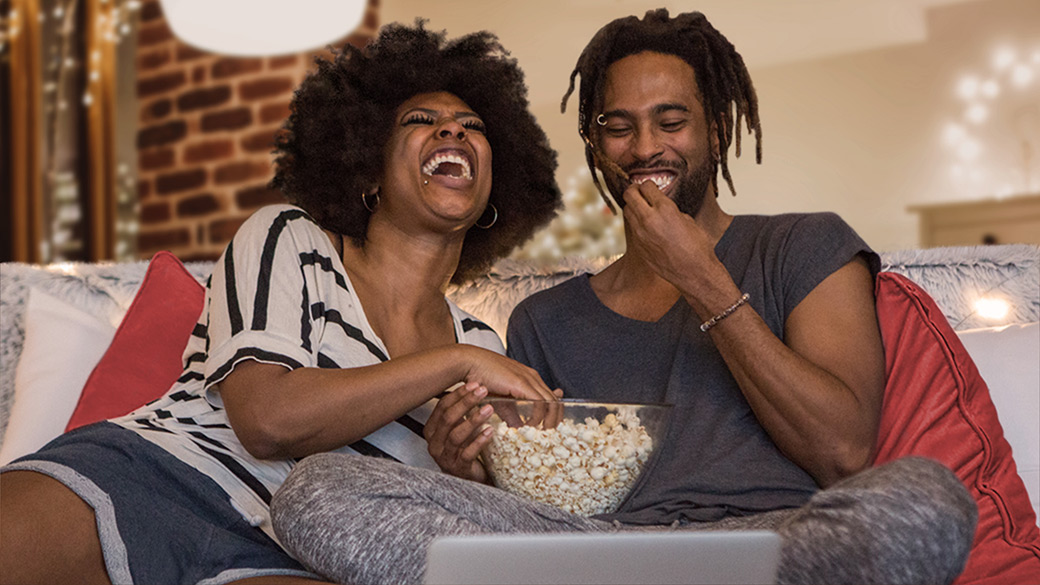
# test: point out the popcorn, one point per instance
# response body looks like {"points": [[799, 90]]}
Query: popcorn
{"points": [[586, 468]]}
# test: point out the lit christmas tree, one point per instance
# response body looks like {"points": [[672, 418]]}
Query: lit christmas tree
{"points": [[585, 228]]}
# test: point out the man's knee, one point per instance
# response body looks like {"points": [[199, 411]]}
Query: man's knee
{"points": [[910, 520]]}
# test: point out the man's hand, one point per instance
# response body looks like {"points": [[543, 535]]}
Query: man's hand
{"points": [[668, 240]]}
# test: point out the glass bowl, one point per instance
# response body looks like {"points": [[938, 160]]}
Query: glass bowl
{"points": [[581, 456]]}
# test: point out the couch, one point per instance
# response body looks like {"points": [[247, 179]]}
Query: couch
{"points": [[964, 386]]}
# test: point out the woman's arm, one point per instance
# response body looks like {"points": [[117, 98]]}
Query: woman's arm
{"points": [[280, 413]]}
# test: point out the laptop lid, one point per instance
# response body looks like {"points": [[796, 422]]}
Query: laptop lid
{"points": [[629, 557]]}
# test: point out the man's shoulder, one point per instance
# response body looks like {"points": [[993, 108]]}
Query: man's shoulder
{"points": [[555, 297], [786, 229], [789, 221]]}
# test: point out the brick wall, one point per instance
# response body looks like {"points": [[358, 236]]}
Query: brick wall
{"points": [[206, 129]]}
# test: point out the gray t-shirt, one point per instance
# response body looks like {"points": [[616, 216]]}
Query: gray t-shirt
{"points": [[716, 460]]}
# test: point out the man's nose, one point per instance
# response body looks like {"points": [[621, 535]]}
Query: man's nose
{"points": [[647, 146]]}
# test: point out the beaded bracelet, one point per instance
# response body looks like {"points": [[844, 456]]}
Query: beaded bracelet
{"points": [[715, 320]]}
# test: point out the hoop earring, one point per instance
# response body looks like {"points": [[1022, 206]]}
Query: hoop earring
{"points": [[364, 201], [601, 120], [493, 219]]}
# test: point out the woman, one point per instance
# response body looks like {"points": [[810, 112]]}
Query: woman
{"points": [[325, 325]]}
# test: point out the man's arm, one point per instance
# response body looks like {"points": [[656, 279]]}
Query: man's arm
{"points": [[819, 395]]}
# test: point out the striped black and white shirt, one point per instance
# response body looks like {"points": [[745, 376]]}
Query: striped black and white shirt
{"points": [[278, 295]]}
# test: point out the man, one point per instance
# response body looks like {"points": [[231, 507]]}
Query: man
{"points": [[760, 330]]}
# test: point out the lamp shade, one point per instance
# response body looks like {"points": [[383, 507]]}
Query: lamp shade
{"points": [[262, 27]]}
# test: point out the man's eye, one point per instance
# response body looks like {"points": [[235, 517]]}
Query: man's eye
{"points": [[475, 125], [673, 125], [618, 131], [417, 119]]}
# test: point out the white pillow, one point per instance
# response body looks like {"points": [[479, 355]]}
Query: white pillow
{"points": [[62, 345], [1008, 358]]}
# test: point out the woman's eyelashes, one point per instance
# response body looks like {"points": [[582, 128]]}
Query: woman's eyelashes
{"points": [[474, 124], [418, 118], [469, 123]]}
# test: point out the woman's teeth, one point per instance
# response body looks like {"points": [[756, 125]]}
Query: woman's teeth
{"points": [[454, 166]]}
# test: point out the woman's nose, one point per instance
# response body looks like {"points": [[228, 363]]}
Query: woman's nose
{"points": [[449, 128]]}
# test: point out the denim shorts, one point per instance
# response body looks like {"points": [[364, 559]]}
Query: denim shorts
{"points": [[159, 520]]}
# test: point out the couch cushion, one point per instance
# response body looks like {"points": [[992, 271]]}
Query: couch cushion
{"points": [[1008, 358], [144, 359], [63, 344], [937, 405]]}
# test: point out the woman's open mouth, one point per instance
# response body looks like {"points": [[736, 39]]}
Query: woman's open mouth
{"points": [[451, 162]]}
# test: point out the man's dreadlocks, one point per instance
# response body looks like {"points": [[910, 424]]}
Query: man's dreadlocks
{"points": [[726, 90]]}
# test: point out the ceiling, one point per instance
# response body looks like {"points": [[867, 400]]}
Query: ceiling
{"points": [[547, 36]]}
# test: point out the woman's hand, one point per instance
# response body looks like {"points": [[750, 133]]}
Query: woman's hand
{"points": [[502, 376], [457, 429], [456, 432]]}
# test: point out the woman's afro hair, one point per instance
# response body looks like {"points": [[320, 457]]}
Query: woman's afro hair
{"points": [[330, 149]]}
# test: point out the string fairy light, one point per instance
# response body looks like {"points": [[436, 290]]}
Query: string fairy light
{"points": [[1011, 70], [113, 22], [992, 309]]}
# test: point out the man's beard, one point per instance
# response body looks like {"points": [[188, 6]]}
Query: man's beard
{"points": [[689, 193], [693, 186]]}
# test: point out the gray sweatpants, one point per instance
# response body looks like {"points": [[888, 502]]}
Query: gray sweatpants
{"points": [[364, 520]]}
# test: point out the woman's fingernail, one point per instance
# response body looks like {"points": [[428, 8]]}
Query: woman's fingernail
{"points": [[480, 392], [486, 410]]}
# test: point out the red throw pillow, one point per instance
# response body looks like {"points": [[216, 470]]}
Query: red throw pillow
{"points": [[144, 359], [937, 405]]}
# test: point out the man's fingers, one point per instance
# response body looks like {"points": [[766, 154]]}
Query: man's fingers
{"points": [[634, 197]]}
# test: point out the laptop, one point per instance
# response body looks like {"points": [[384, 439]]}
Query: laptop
{"points": [[614, 558]]}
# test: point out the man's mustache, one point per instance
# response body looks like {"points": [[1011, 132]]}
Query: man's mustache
{"points": [[679, 165]]}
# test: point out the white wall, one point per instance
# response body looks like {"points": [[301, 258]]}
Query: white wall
{"points": [[862, 134], [859, 133]]}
